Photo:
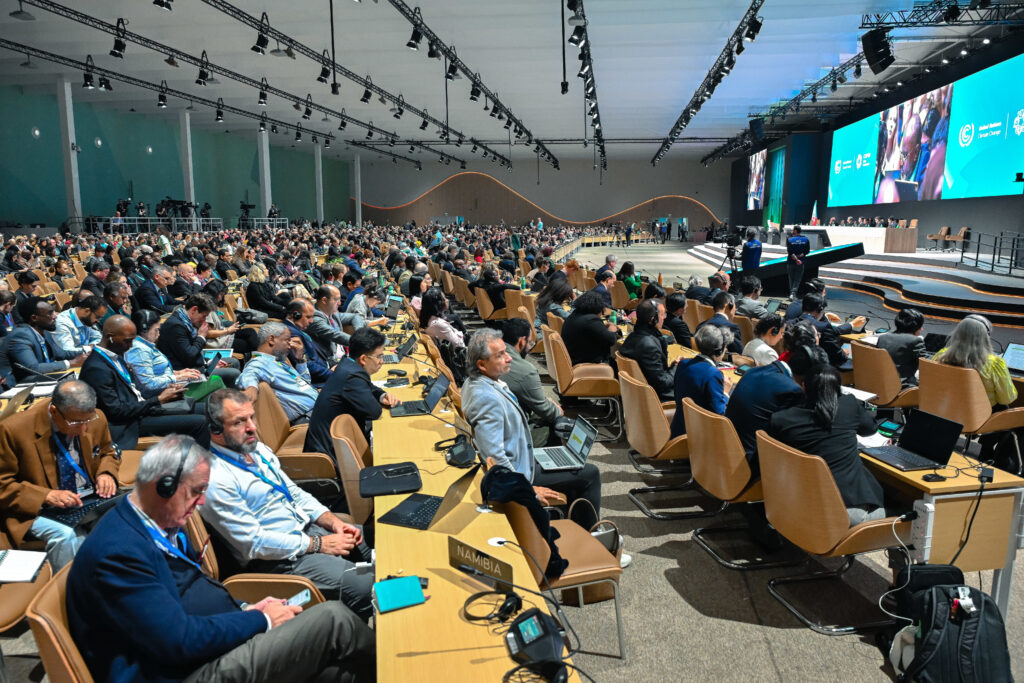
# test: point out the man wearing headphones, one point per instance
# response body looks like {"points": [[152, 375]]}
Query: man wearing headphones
{"points": [[140, 607], [270, 524], [298, 316]]}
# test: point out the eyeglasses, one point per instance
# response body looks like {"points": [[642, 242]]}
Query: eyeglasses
{"points": [[78, 423], [379, 358]]}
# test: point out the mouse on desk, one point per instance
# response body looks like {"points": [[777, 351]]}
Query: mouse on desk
{"points": [[933, 477], [397, 373]]}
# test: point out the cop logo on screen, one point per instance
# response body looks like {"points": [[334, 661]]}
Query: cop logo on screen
{"points": [[839, 166], [966, 134], [1018, 123], [860, 161]]}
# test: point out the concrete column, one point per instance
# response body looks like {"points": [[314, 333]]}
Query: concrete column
{"points": [[318, 169], [357, 189], [72, 189], [185, 128], [263, 140]]}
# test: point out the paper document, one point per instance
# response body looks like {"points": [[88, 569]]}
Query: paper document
{"points": [[20, 566]]}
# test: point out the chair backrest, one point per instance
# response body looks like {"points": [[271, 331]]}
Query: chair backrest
{"points": [[48, 617], [349, 465], [717, 459], [954, 393], [875, 371], [198, 536], [902, 223], [627, 364], [446, 283], [549, 356], [347, 427], [620, 297], [589, 282], [528, 536], [432, 350], [800, 496], [555, 322], [963, 232], [530, 301], [704, 312], [746, 326], [513, 299], [691, 316], [647, 428], [454, 391], [61, 298], [271, 420], [563, 362], [484, 306], [913, 222], [16, 597]]}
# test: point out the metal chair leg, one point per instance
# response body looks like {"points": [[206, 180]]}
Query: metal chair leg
{"points": [[634, 495], [644, 465], [700, 534], [813, 625]]}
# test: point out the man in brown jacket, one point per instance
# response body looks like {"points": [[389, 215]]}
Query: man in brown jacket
{"points": [[54, 454]]}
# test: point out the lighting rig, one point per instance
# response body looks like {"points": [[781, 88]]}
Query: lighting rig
{"points": [[392, 155], [949, 13], [581, 39], [746, 30]]}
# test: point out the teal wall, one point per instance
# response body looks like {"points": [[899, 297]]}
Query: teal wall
{"points": [[31, 170], [224, 165]]}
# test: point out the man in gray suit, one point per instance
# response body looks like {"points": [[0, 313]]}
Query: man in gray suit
{"points": [[27, 350], [524, 380], [501, 430], [326, 326]]}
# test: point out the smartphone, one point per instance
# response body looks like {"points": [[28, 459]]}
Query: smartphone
{"points": [[299, 599]]}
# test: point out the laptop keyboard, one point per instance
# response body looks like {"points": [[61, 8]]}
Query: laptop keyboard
{"points": [[389, 358], [561, 456], [424, 514], [70, 516], [896, 454]]}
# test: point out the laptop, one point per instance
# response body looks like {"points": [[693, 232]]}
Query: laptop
{"points": [[16, 402], [402, 351], [773, 306], [211, 362], [420, 511], [425, 406], [1014, 357], [927, 442], [394, 307], [93, 507], [573, 455]]}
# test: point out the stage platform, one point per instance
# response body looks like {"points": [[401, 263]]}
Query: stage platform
{"points": [[933, 282]]}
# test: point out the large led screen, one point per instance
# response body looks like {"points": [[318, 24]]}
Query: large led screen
{"points": [[755, 179], [965, 139]]}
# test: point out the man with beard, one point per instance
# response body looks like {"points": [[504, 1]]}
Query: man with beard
{"points": [[270, 364], [269, 523], [28, 352]]}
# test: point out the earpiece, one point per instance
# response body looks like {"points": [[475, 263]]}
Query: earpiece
{"points": [[167, 485], [216, 426]]}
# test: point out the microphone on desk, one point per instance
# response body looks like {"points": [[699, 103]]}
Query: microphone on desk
{"points": [[46, 378]]}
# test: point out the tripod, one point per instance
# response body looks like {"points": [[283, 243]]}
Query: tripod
{"points": [[730, 256]]}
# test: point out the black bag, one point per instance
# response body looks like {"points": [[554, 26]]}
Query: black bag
{"points": [[961, 638], [455, 358]]}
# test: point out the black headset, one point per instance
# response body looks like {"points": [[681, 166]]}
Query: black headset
{"points": [[509, 607], [216, 426], [167, 485]]}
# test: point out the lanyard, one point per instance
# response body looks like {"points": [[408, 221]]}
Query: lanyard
{"points": [[71, 461], [158, 292], [277, 486], [124, 375], [83, 334], [170, 548]]}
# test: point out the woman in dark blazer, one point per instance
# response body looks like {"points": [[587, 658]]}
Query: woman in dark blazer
{"points": [[262, 295]]}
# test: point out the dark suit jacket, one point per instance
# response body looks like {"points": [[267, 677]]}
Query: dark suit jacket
{"points": [[349, 391], [149, 297], [649, 348], [222, 267], [262, 297], [28, 464], [764, 391], [837, 446], [316, 358], [587, 339], [180, 288], [182, 346], [698, 379], [701, 294], [116, 399], [679, 329], [719, 320], [93, 284], [906, 350], [606, 296], [139, 614], [828, 339], [24, 346]]}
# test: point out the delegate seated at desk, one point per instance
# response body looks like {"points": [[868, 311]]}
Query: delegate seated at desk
{"points": [[649, 348], [700, 378], [28, 352], [906, 345], [724, 305], [270, 364]]}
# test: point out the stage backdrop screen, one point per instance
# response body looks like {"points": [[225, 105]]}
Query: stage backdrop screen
{"points": [[965, 139], [755, 179]]}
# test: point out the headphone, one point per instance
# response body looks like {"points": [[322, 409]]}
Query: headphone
{"points": [[295, 315], [511, 605], [167, 485], [216, 426]]}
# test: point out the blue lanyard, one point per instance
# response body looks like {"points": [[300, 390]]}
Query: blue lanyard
{"points": [[83, 334], [71, 461], [170, 548], [158, 292], [277, 486], [124, 375], [46, 351]]}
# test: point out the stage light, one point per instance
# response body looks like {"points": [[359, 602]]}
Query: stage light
{"points": [[87, 78], [508, 124], [945, 60], [584, 69], [369, 132], [834, 85], [501, 115], [21, 14], [473, 151], [463, 165], [220, 116], [273, 128], [494, 111], [161, 99], [307, 111], [578, 37], [433, 52], [342, 124], [986, 41], [424, 124], [951, 13], [453, 71], [314, 140], [298, 134], [857, 71], [171, 61], [398, 111], [325, 69], [104, 84], [263, 122], [814, 97], [753, 28], [414, 39], [119, 45], [842, 78], [260, 47], [204, 74], [366, 96], [163, 4], [963, 52], [740, 48], [262, 101], [327, 143], [474, 93]]}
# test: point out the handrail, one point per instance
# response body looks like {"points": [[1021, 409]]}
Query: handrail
{"points": [[1002, 253]]}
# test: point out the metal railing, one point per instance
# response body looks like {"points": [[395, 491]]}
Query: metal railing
{"points": [[134, 225], [1002, 253], [255, 222]]}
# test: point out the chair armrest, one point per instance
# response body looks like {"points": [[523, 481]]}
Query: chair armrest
{"points": [[1003, 420], [254, 587], [300, 466]]}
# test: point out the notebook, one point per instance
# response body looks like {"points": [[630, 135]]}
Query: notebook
{"points": [[403, 591], [20, 566]]}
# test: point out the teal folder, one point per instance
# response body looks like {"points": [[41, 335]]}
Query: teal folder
{"points": [[393, 594]]}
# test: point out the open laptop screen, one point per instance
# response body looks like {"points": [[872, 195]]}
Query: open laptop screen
{"points": [[581, 438], [930, 436], [1014, 356], [436, 391]]}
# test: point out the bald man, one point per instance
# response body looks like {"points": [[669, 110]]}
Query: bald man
{"points": [[129, 414]]}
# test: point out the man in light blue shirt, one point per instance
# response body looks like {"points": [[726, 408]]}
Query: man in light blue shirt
{"points": [[269, 522], [75, 333], [270, 364]]}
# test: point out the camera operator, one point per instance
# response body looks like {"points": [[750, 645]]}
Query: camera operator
{"points": [[140, 210], [274, 212], [205, 211]]}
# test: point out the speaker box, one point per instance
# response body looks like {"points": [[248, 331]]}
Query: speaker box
{"points": [[757, 129], [877, 50]]}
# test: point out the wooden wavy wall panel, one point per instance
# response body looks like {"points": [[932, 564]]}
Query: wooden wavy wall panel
{"points": [[484, 199]]}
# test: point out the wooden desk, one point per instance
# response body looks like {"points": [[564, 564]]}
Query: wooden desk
{"points": [[680, 352], [944, 511], [433, 641]]}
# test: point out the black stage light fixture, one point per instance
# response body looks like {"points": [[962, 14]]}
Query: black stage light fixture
{"points": [[414, 39], [104, 84], [220, 110], [260, 46], [327, 142], [834, 84], [325, 69], [119, 45], [273, 128], [453, 71], [263, 122], [367, 94], [740, 47], [474, 93], [857, 71], [262, 101], [171, 61], [398, 109], [508, 124], [161, 99], [163, 4], [753, 28], [204, 74], [423, 126], [951, 13], [369, 131], [342, 123], [501, 115], [87, 78], [433, 52], [307, 111], [814, 97], [314, 140], [21, 14], [391, 142], [462, 165], [298, 134], [473, 151], [578, 37], [335, 88]]}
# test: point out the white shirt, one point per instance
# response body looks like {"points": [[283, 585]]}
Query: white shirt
{"points": [[760, 351]]}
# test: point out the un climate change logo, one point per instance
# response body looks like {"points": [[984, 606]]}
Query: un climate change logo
{"points": [[860, 161], [839, 166], [1018, 123], [966, 134]]}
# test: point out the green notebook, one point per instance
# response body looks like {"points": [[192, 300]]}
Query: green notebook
{"points": [[201, 390], [392, 594]]}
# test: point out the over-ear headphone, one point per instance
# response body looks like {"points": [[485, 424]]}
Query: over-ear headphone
{"points": [[167, 485], [295, 315], [509, 607], [216, 426]]}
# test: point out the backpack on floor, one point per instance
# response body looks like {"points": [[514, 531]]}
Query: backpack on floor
{"points": [[961, 637]]}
